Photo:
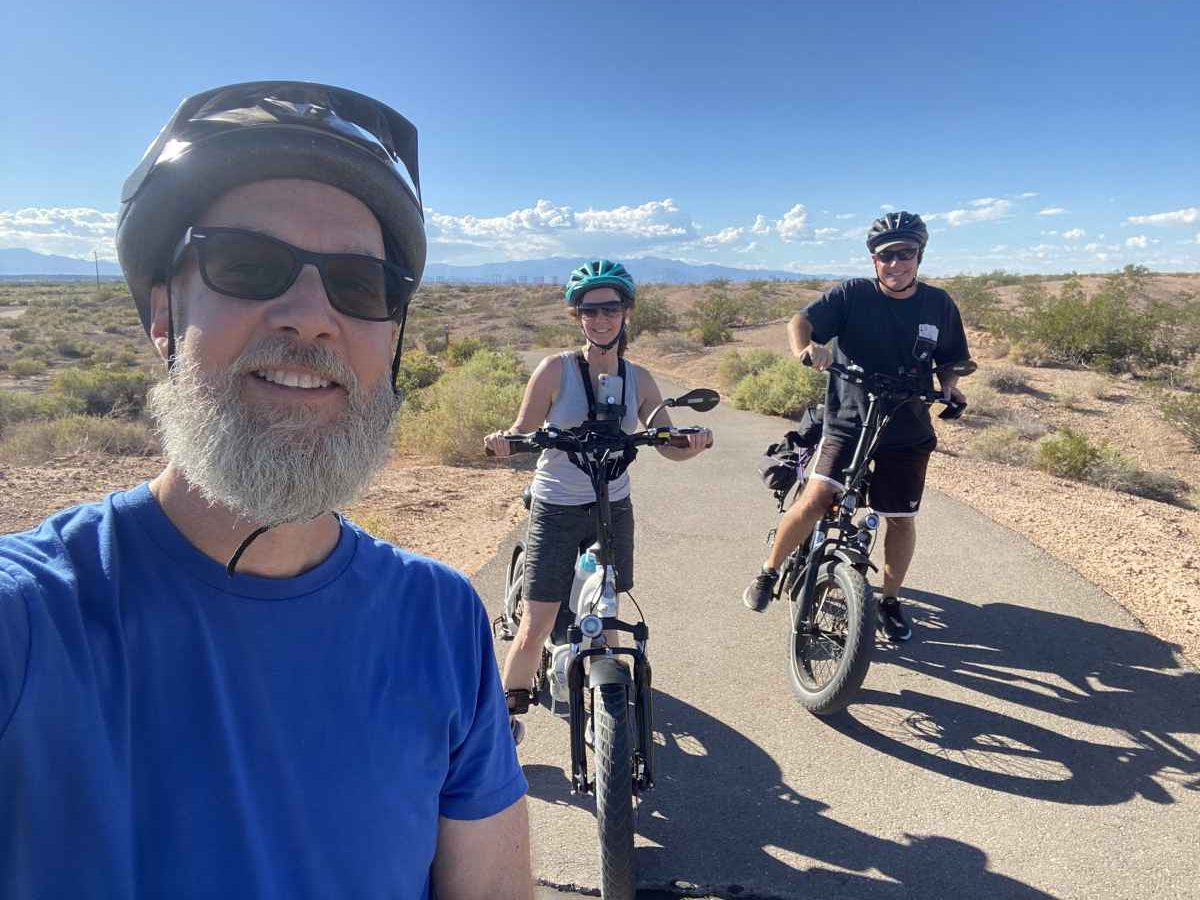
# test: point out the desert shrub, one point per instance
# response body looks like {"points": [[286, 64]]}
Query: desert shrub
{"points": [[1184, 413], [718, 310], [983, 400], [458, 352], [434, 339], [104, 391], [736, 365], [976, 300], [710, 333], [1070, 400], [1067, 454], [72, 347], [1027, 425], [18, 406], [561, 334], [26, 366], [1116, 325], [1098, 387], [784, 388], [1006, 379], [676, 343], [31, 443], [1030, 353], [418, 369], [650, 316], [1002, 444], [456, 411]]}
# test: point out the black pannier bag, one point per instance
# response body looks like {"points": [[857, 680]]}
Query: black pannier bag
{"points": [[782, 466]]}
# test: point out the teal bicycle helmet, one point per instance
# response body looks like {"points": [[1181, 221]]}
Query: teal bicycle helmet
{"points": [[600, 273]]}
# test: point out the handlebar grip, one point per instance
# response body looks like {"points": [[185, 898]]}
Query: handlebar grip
{"points": [[679, 438], [806, 358]]}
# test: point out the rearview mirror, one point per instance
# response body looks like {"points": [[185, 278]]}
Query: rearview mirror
{"points": [[966, 367], [699, 399]]}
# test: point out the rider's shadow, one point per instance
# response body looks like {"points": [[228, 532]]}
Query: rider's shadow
{"points": [[723, 821], [1123, 680]]}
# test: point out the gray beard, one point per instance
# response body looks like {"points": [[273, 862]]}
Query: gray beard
{"points": [[271, 464]]}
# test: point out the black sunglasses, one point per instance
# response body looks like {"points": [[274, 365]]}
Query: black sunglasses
{"points": [[253, 266], [608, 309], [886, 256]]}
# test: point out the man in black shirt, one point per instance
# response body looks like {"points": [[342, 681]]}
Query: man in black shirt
{"points": [[878, 324]]}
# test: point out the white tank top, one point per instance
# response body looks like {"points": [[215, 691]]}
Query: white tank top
{"points": [[557, 479]]}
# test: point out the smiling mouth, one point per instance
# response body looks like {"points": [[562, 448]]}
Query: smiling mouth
{"points": [[294, 379]]}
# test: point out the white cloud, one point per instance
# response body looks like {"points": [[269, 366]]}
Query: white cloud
{"points": [[995, 209], [66, 232], [1074, 234], [1187, 216], [761, 225], [827, 232], [749, 248], [547, 228], [845, 216], [793, 225], [1051, 211], [985, 201], [725, 236], [1028, 195], [887, 207], [1138, 240]]}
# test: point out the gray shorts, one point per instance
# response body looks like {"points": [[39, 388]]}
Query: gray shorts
{"points": [[555, 536]]}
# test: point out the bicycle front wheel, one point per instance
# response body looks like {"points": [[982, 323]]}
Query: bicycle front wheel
{"points": [[614, 790], [831, 639]]}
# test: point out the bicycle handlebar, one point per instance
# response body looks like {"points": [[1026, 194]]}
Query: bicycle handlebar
{"points": [[583, 439], [896, 387]]}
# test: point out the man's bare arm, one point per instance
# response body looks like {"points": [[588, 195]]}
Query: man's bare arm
{"points": [[799, 331], [484, 859]]}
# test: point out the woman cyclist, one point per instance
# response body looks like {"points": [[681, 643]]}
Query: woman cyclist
{"points": [[600, 296]]}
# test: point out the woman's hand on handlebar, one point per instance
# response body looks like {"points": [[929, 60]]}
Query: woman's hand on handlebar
{"points": [[693, 439], [495, 444], [817, 355]]}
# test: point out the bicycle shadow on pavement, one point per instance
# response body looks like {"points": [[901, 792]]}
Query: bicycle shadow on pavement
{"points": [[1117, 679], [725, 824]]}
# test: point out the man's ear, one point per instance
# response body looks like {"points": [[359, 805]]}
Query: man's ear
{"points": [[160, 319]]}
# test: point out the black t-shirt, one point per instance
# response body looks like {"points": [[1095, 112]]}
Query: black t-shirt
{"points": [[879, 333]]}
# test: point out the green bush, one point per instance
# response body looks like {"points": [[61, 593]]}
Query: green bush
{"points": [[31, 443], [26, 366], [784, 388], [18, 406], [1067, 454], [418, 369], [736, 365], [650, 316], [1184, 413], [710, 333], [718, 310], [976, 300], [676, 343], [104, 391], [560, 334], [480, 396], [458, 352], [1002, 444], [985, 401]]}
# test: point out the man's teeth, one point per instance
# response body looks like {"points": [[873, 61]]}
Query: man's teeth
{"points": [[293, 379]]}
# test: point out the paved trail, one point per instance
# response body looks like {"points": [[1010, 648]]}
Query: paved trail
{"points": [[1031, 741]]}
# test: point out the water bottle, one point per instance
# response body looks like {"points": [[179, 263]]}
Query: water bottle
{"points": [[585, 569]]}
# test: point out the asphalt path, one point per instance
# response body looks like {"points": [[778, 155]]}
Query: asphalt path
{"points": [[1030, 741]]}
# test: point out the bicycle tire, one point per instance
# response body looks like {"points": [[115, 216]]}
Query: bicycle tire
{"points": [[830, 639], [614, 791], [514, 590]]}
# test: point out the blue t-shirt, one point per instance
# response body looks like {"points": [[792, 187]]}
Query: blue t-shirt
{"points": [[169, 731]]}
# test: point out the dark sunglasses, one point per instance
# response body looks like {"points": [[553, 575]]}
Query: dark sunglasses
{"points": [[609, 309], [252, 266], [886, 256]]}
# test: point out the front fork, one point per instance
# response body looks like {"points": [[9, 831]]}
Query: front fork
{"points": [[643, 754]]}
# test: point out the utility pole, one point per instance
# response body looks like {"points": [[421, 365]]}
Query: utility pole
{"points": [[96, 260]]}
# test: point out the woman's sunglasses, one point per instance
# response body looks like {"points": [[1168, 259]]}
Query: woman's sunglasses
{"points": [[253, 266], [612, 310]]}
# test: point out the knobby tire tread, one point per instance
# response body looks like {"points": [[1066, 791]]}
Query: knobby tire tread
{"points": [[860, 642], [614, 791]]}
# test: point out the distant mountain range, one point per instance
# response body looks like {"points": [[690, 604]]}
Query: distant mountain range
{"points": [[20, 264]]}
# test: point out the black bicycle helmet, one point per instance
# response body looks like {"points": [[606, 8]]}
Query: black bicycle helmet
{"points": [[241, 133], [897, 226]]}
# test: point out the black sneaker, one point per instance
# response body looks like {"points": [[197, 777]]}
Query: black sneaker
{"points": [[761, 590], [892, 620]]}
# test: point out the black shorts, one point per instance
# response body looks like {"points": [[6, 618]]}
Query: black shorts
{"points": [[897, 482], [555, 536]]}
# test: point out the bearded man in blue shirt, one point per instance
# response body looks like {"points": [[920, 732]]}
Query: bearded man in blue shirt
{"points": [[212, 685]]}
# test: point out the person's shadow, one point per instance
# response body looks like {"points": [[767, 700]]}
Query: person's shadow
{"points": [[724, 823], [1119, 679]]}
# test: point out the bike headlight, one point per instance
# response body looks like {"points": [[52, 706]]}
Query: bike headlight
{"points": [[871, 521], [591, 626]]}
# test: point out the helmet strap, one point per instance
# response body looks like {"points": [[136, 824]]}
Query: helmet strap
{"points": [[170, 326]]}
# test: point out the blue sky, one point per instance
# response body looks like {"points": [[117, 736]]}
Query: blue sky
{"points": [[1033, 136]]}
